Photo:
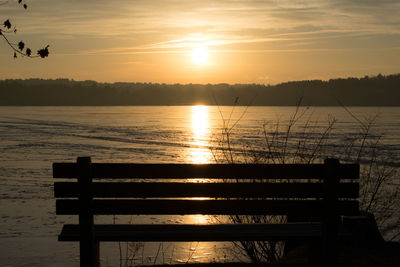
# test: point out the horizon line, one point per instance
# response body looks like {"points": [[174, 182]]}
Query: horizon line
{"points": [[225, 83]]}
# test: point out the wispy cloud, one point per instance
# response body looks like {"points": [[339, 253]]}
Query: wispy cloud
{"points": [[160, 21], [223, 43], [122, 18]]}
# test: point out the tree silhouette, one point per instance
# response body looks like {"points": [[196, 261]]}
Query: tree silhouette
{"points": [[20, 48]]}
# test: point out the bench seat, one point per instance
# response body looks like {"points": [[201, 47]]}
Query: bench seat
{"points": [[193, 232]]}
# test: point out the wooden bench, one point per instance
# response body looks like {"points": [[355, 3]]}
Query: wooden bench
{"points": [[314, 190]]}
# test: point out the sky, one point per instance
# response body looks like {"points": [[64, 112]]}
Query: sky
{"points": [[236, 41]]}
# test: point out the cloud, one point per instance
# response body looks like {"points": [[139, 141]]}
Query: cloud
{"points": [[164, 17], [161, 26]]}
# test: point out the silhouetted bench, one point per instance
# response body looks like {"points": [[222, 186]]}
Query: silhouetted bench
{"points": [[314, 190]]}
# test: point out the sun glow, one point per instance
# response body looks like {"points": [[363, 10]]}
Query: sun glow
{"points": [[200, 55]]}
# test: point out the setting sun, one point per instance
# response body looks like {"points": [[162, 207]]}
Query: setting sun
{"points": [[200, 55]]}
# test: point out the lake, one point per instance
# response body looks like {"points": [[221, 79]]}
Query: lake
{"points": [[32, 138]]}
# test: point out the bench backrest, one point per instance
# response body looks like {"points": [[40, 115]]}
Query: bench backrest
{"points": [[293, 189]]}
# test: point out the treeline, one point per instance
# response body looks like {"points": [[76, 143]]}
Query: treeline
{"points": [[379, 90]]}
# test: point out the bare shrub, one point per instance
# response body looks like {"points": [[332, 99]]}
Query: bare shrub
{"points": [[301, 140]]}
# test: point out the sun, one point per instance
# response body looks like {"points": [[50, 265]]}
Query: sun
{"points": [[200, 55]]}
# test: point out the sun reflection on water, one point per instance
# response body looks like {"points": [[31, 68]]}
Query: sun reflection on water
{"points": [[199, 151]]}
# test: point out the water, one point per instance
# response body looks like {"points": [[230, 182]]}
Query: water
{"points": [[31, 138]]}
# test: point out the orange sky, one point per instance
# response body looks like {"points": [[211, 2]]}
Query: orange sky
{"points": [[245, 41]]}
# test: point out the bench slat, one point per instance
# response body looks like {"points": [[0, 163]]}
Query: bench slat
{"points": [[189, 233], [213, 190], [210, 207], [216, 171]]}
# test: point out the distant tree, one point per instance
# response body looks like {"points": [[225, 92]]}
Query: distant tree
{"points": [[20, 47]]}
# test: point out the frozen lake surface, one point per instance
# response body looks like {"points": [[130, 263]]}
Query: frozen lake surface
{"points": [[32, 138]]}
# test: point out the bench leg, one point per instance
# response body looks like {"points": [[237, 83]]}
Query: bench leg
{"points": [[96, 254], [89, 254]]}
